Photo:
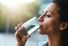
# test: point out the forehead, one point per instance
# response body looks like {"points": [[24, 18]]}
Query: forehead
{"points": [[51, 7]]}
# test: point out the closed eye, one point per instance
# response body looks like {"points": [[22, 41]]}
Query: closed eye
{"points": [[48, 15]]}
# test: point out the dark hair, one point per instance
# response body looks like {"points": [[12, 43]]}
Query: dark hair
{"points": [[63, 5], [63, 12]]}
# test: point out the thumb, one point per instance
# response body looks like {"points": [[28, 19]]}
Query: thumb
{"points": [[28, 36], [25, 38]]}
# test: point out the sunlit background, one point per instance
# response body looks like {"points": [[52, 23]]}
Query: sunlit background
{"points": [[13, 12]]}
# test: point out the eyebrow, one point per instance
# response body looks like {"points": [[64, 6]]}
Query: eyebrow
{"points": [[49, 11], [44, 12]]}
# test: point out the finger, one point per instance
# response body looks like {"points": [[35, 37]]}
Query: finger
{"points": [[21, 33], [25, 38], [18, 37], [28, 36], [23, 30], [18, 26]]}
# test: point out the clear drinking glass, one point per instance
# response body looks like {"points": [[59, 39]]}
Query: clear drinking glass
{"points": [[30, 26]]}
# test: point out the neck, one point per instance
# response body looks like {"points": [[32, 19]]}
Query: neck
{"points": [[54, 39]]}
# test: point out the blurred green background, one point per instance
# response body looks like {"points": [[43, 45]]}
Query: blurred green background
{"points": [[12, 13]]}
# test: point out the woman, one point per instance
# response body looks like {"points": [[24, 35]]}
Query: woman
{"points": [[53, 22]]}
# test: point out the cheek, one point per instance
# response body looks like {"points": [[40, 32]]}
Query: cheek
{"points": [[50, 26], [47, 26], [53, 26], [48, 23]]}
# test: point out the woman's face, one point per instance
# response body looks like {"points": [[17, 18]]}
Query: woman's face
{"points": [[49, 21]]}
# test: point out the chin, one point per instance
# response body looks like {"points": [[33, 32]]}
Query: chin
{"points": [[42, 33]]}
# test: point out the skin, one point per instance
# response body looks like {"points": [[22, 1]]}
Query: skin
{"points": [[49, 23], [21, 39]]}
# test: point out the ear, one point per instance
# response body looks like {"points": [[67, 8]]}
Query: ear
{"points": [[63, 26]]}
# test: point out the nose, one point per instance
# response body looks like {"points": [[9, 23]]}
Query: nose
{"points": [[40, 19]]}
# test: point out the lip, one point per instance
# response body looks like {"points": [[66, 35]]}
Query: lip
{"points": [[40, 26], [40, 23]]}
